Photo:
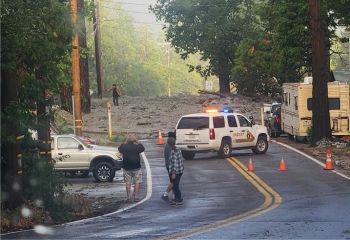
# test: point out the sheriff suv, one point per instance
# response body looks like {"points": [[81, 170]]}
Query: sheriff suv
{"points": [[219, 132], [71, 154]]}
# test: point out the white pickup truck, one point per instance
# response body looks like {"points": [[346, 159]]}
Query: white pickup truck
{"points": [[71, 154]]}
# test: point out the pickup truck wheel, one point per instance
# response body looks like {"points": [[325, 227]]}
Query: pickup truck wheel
{"points": [[104, 172], [188, 155], [261, 145], [225, 149]]}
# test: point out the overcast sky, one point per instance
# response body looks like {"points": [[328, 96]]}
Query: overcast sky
{"points": [[138, 9]]}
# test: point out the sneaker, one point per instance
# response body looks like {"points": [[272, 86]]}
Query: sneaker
{"points": [[177, 203], [165, 198]]}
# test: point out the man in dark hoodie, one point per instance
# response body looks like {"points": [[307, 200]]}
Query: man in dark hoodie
{"points": [[132, 166]]}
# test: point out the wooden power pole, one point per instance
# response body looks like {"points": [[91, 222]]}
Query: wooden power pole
{"points": [[320, 110], [97, 34], [76, 71]]}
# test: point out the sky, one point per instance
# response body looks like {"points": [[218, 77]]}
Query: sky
{"points": [[138, 9]]}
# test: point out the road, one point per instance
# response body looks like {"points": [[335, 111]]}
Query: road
{"points": [[223, 201]]}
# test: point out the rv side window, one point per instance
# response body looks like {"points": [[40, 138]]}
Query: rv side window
{"points": [[333, 103], [296, 102], [285, 99], [288, 98]]}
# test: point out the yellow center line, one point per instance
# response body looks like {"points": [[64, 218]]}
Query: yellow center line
{"points": [[272, 201]]}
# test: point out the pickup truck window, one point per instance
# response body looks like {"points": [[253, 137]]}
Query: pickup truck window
{"points": [[243, 122], [67, 143]]}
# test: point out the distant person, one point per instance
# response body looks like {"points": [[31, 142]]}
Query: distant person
{"points": [[167, 151], [176, 169], [115, 94], [131, 150]]}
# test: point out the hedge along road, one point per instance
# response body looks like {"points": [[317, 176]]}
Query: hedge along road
{"points": [[221, 203]]}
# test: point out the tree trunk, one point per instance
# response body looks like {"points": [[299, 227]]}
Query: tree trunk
{"points": [[11, 176], [84, 63], [66, 99], [43, 115], [224, 77], [320, 110]]}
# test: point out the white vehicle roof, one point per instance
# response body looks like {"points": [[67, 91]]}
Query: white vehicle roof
{"points": [[211, 114]]}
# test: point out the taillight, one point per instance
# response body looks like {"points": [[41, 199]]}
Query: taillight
{"points": [[211, 134]]}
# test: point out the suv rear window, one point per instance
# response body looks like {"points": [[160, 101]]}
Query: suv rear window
{"points": [[219, 122], [193, 123]]}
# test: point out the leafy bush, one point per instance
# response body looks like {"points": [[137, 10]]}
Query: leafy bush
{"points": [[310, 136], [120, 138], [44, 186]]}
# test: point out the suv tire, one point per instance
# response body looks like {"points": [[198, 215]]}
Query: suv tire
{"points": [[225, 149], [104, 172], [261, 145], [188, 155]]}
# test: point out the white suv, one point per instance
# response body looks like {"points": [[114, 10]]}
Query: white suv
{"points": [[219, 132]]}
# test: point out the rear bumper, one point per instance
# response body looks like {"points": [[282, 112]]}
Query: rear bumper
{"points": [[197, 147]]}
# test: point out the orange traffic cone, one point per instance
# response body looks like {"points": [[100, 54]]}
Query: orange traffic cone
{"points": [[329, 162], [160, 140], [283, 165], [250, 165]]}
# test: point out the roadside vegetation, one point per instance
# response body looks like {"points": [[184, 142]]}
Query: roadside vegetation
{"points": [[254, 46]]}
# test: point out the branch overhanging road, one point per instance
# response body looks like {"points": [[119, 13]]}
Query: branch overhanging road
{"points": [[222, 200]]}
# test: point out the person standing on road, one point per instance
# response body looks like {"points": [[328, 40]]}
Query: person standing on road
{"points": [[176, 169], [115, 94], [132, 166], [167, 151]]}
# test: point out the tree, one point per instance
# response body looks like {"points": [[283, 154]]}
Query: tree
{"points": [[35, 39], [320, 111], [211, 28], [84, 60]]}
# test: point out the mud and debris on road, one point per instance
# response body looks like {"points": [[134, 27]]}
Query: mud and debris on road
{"points": [[145, 116]]}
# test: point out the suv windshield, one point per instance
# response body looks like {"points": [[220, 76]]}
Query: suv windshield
{"points": [[193, 123]]}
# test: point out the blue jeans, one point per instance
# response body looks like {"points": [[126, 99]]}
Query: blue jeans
{"points": [[176, 188]]}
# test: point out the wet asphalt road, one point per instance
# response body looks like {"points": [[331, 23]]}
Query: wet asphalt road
{"points": [[315, 203]]}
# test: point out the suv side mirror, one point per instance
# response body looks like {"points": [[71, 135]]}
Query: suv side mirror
{"points": [[251, 120], [80, 147]]}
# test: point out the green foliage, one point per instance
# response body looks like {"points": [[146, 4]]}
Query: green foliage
{"points": [[35, 53], [136, 59], [310, 136], [119, 138], [41, 184], [212, 28]]}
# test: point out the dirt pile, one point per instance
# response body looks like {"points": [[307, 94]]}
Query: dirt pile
{"points": [[145, 116]]}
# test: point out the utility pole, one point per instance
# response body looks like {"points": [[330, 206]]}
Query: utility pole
{"points": [[76, 70], [97, 35]]}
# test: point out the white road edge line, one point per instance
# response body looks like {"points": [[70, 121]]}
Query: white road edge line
{"points": [[309, 157], [148, 196]]}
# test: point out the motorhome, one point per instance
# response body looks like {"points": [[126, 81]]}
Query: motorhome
{"points": [[296, 109]]}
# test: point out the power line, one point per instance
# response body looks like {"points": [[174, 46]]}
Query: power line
{"points": [[150, 23], [145, 4], [124, 10]]}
